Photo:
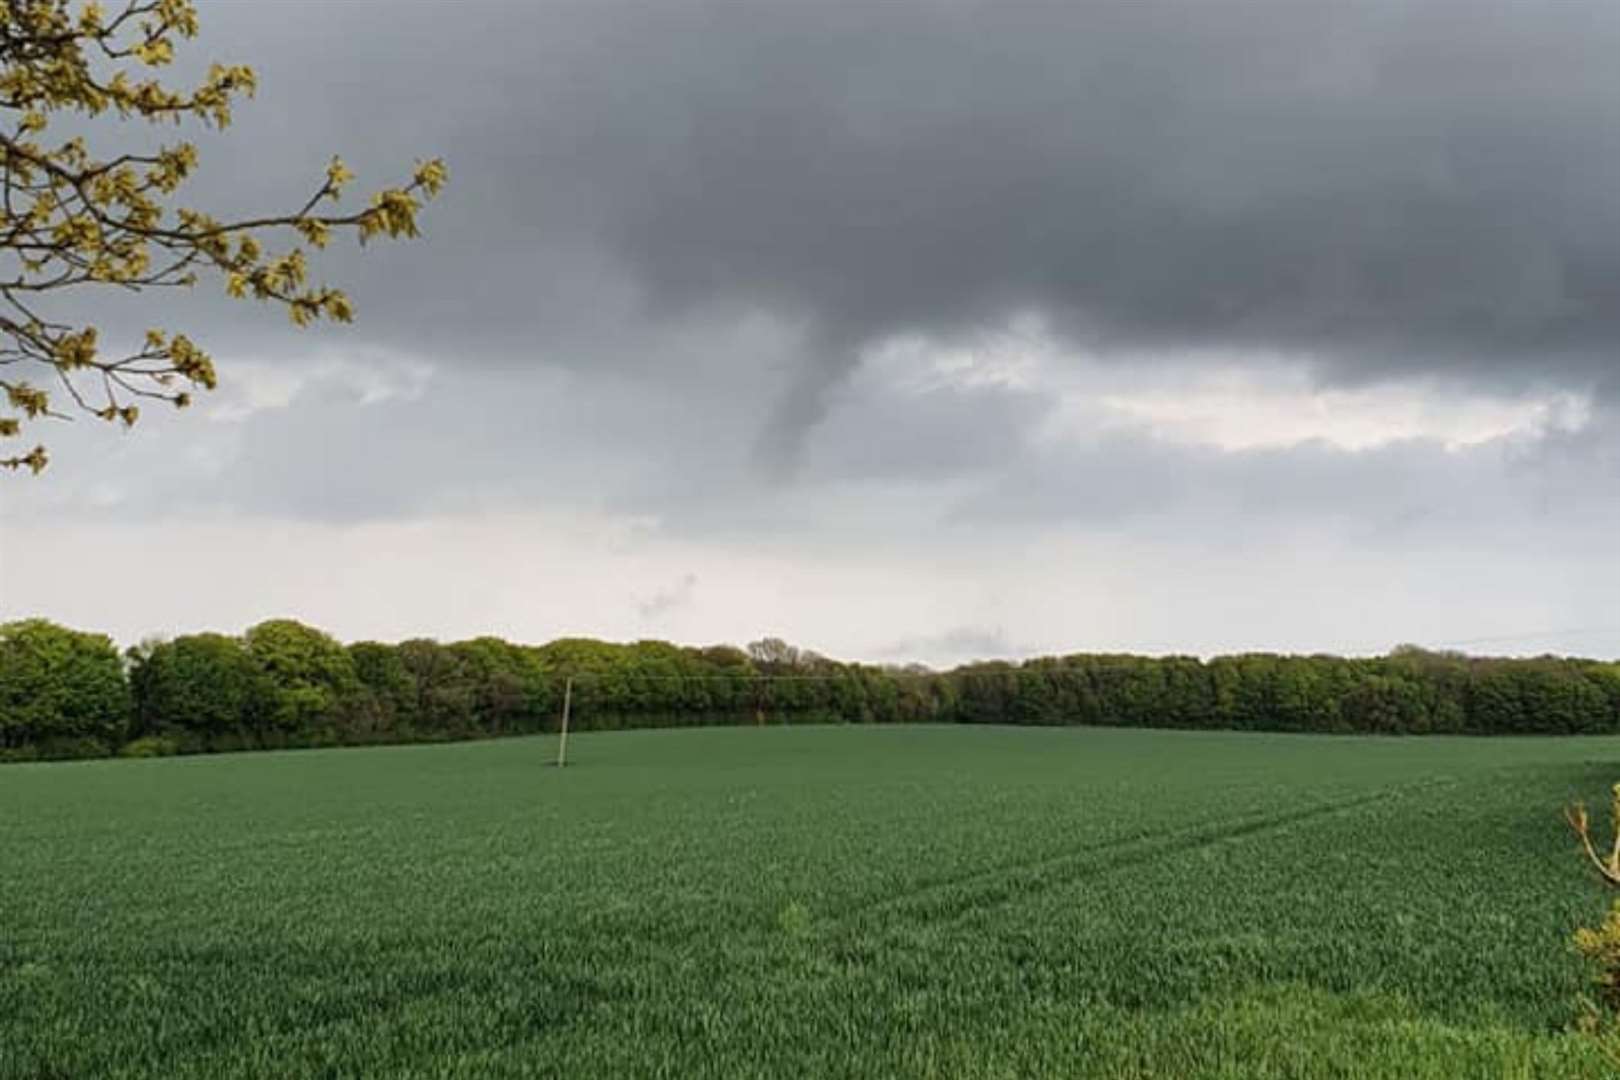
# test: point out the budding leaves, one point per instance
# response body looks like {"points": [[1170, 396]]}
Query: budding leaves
{"points": [[80, 216]]}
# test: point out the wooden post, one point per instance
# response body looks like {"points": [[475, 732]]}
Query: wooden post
{"points": [[562, 744]]}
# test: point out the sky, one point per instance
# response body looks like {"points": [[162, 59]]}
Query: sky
{"points": [[923, 330]]}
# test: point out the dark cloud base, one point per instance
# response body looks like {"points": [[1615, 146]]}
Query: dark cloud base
{"points": [[1384, 187]]}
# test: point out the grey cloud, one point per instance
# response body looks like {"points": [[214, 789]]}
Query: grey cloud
{"points": [[875, 432], [1133, 481], [948, 468], [955, 645], [675, 232], [1384, 185], [638, 188], [667, 601]]}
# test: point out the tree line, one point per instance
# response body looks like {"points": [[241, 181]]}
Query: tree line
{"points": [[66, 693]]}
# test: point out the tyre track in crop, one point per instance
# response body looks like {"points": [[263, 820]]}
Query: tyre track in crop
{"points": [[955, 899]]}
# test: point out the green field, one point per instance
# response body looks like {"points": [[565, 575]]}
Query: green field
{"points": [[839, 901]]}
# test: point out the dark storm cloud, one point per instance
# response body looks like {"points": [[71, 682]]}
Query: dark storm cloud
{"points": [[1382, 188], [682, 235], [1387, 188], [1383, 184], [1386, 185]]}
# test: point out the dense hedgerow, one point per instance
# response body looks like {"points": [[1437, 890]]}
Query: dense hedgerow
{"points": [[65, 693]]}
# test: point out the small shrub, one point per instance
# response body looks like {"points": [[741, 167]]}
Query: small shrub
{"points": [[1600, 945], [149, 746]]}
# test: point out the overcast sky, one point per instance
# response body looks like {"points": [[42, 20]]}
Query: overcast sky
{"points": [[913, 330]]}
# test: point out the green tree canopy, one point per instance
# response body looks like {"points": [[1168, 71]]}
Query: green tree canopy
{"points": [[57, 683], [205, 683], [311, 676]]}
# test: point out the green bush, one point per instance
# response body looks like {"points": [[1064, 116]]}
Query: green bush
{"points": [[150, 746]]}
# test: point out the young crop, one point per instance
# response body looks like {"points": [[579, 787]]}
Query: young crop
{"points": [[903, 901]]}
